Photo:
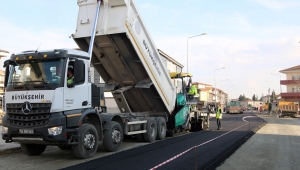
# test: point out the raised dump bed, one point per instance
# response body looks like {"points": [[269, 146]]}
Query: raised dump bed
{"points": [[125, 57]]}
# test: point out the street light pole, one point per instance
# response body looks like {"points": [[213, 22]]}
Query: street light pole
{"points": [[229, 91], [221, 89], [279, 82], [272, 84], [215, 85], [269, 91], [187, 50]]}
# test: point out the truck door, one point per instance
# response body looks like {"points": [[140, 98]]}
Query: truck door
{"points": [[76, 87]]}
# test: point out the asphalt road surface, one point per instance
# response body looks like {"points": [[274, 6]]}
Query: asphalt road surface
{"points": [[204, 150], [276, 146]]}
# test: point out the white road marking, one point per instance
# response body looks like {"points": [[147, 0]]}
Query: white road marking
{"points": [[184, 152]]}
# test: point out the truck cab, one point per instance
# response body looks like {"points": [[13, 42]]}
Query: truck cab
{"points": [[42, 107]]}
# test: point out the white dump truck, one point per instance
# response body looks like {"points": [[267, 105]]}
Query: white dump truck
{"points": [[50, 100]]}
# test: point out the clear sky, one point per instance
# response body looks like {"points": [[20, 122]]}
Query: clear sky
{"points": [[250, 38]]}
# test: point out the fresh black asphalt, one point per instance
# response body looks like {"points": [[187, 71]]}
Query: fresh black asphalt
{"points": [[206, 156]]}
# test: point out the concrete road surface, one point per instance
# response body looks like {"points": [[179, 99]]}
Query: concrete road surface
{"points": [[275, 146]]}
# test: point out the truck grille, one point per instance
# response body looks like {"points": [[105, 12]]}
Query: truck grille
{"points": [[39, 115]]}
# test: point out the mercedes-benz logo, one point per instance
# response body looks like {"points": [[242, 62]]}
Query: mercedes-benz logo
{"points": [[26, 108]]}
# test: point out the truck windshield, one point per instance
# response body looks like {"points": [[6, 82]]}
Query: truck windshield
{"points": [[234, 103], [36, 72]]}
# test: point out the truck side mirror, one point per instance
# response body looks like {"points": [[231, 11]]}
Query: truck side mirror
{"points": [[79, 71], [6, 75]]}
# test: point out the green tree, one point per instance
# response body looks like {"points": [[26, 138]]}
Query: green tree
{"points": [[254, 97], [273, 96], [261, 98], [242, 98]]}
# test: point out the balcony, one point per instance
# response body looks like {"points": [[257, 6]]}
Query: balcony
{"points": [[286, 82], [290, 95]]}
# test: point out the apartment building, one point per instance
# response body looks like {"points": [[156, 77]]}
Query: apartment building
{"points": [[292, 84], [208, 95]]}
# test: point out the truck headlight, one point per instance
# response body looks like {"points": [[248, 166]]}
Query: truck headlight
{"points": [[55, 130], [4, 130]]}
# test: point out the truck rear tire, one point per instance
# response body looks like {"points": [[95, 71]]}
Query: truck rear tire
{"points": [[32, 149], [87, 141], [161, 128], [202, 125], [151, 128], [113, 137]]}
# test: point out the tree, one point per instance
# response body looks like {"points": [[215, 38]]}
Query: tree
{"points": [[254, 97], [273, 96], [261, 98], [242, 98]]}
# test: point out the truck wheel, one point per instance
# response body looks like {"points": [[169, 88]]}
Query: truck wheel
{"points": [[113, 137], [151, 128], [202, 125], [87, 141], [65, 147], [161, 128], [32, 149]]}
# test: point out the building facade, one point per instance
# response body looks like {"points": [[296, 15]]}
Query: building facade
{"points": [[292, 84], [208, 95]]}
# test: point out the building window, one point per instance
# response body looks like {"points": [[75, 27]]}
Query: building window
{"points": [[298, 76], [293, 77], [293, 89], [298, 88]]}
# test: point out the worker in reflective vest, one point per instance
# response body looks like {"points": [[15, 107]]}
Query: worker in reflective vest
{"points": [[70, 76], [219, 117]]}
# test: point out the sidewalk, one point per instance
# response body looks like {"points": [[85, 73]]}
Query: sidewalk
{"points": [[274, 146]]}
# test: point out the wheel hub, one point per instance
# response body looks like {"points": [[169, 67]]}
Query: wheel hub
{"points": [[163, 129], [89, 141], [152, 131], [116, 136]]}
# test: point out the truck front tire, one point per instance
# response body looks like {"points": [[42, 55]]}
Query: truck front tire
{"points": [[151, 128], [33, 149], [113, 137], [87, 142]]}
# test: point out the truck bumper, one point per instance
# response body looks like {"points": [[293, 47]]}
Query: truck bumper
{"points": [[41, 134]]}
